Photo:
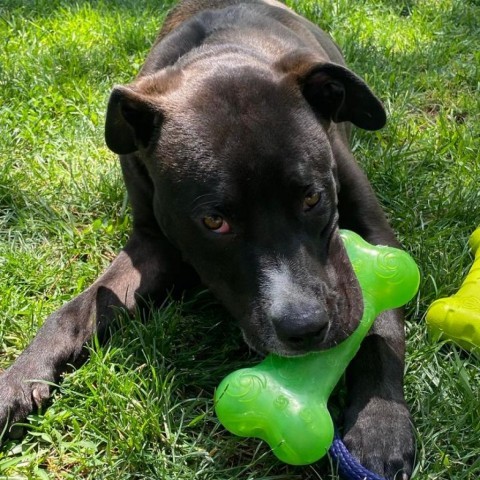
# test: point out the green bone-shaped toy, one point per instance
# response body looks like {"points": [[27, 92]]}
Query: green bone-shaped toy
{"points": [[284, 400]]}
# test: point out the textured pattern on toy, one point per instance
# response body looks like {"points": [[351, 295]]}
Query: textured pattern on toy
{"points": [[458, 317], [284, 400]]}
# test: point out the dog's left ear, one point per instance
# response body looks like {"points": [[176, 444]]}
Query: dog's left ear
{"points": [[340, 95]]}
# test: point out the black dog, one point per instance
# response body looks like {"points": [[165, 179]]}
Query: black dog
{"points": [[233, 142]]}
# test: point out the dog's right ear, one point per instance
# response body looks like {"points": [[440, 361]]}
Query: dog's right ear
{"points": [[132, 119]]}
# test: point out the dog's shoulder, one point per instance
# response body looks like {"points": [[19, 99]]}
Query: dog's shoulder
{"points": [[189, 8], [191, 22]]}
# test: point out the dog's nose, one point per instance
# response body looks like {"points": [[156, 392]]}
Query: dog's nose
{"points": [[301, 326]]}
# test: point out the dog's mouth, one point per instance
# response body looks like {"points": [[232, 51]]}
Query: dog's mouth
{"points": [[342, 298]]}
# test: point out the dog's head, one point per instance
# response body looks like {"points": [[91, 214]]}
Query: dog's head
{"points": [[244, 175]]}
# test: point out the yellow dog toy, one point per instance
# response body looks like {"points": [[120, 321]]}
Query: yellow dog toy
{"points": [[458, 317]]}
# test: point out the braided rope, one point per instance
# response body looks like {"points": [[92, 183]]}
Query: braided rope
{"points": [[348, 466]]}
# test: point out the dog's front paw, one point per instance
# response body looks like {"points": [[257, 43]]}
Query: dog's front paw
{"points": [[20, 394], [380, 436]]}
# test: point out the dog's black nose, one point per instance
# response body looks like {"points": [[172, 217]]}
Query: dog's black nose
{"points": [[301, 327]]}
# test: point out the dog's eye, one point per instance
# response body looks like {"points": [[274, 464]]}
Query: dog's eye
{"points": [[311, 200], [216, 223]]}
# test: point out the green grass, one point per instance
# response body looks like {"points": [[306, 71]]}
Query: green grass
{"points": [[142, 406]]}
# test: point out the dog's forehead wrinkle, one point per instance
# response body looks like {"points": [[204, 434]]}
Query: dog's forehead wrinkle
{"points": [[213, 56]]}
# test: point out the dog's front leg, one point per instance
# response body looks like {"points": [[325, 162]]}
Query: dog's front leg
{"points": [[146, 268], [378, 428]]}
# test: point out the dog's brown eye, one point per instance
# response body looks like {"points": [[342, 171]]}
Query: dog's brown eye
{"points": [[216, 223], [213, 222], [311, 200]]}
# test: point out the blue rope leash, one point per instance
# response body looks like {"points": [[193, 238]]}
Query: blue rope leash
{"points": [[348, 466]]}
